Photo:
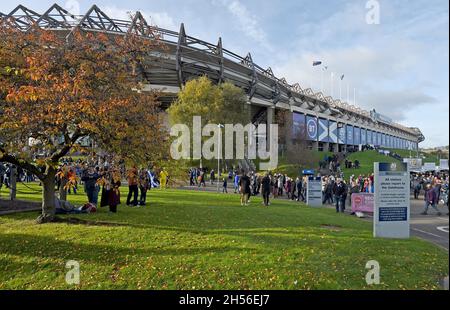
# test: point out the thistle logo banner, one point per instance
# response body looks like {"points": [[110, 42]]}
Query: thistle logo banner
{"points": [[311, 126]]}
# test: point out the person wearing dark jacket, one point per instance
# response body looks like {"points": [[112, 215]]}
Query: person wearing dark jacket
{"points": [[244, 188], [299, 186], [339, 191], [430, 200], [90, 177], [265, 189]]}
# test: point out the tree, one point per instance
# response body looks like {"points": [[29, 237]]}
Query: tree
{"points": [[54, 92], [216, 104]]}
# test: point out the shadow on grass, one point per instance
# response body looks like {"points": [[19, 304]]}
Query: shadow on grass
{"points": [[48, 247]]}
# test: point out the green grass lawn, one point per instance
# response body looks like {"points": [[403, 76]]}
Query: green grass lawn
{"points": [[294, 170], [197, 240], [366, 160], [426, 157]]}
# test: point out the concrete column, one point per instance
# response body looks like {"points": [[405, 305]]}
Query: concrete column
{"points": [[270, 120]]}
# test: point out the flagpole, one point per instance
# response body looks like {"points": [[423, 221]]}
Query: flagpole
{"points": [[321, 81], [348, 93], [332, 84], [340, 89]]}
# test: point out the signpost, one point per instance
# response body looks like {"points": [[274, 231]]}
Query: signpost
{"points": [[443, 164], [414, 164], [314, 192], [362, 202], [429, 167], [392, 200]]}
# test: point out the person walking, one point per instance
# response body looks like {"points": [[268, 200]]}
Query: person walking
{"points": [[90, 177], [244, 188], [339, 191], [144, 186], [163, 178], [299, 186], [265, 189], [224, 186], [114, 192], [133, 190], [430, 200], [236, 183]]}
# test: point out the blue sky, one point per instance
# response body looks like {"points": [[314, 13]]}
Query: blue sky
{"points": [[400, 66]]}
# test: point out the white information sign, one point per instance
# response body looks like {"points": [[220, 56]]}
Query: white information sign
{"points": [[443, 164], [414, 164], [392, 200], [314, 192], [429, 167]]}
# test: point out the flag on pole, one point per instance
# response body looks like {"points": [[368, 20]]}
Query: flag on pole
{"points": [[342, 77], [316, 63]]}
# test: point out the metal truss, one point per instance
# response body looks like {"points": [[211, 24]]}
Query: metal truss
{"points": [[214, 57]]}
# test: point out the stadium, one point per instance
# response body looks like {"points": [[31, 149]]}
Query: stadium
{"points": [[323, 122]]}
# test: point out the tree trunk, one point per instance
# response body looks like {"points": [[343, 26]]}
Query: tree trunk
{"points": [[48, 198], [13, 182], [62, 190]]}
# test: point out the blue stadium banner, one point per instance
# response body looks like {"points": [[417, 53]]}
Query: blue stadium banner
{"points": [[357, 135], [323, 130], [383, 140], [333, 132], [342, 134], [299, 126], [363, 136], [369, 136], [379, 138], [350, 135], [311, 128]]}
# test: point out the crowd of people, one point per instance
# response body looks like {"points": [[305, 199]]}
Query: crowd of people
{"points": [[5, 175], [434, 188]]}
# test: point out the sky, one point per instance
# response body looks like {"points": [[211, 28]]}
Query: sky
{"points": [[396, 62]]}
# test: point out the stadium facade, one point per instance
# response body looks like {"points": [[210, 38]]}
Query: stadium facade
{"points": [[321, 121]]}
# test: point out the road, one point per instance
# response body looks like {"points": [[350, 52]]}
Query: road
{"points": [[430, 227]]}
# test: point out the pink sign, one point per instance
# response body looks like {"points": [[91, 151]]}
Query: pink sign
{"points": [[362, 202]]}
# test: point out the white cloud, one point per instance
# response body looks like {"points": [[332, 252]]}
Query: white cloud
{"points": [[160, 19], [246, 21]]}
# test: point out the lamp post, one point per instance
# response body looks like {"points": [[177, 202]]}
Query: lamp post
{"points": [[219, 142]]}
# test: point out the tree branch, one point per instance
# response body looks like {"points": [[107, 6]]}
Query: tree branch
{"points": [[22, 164]]}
